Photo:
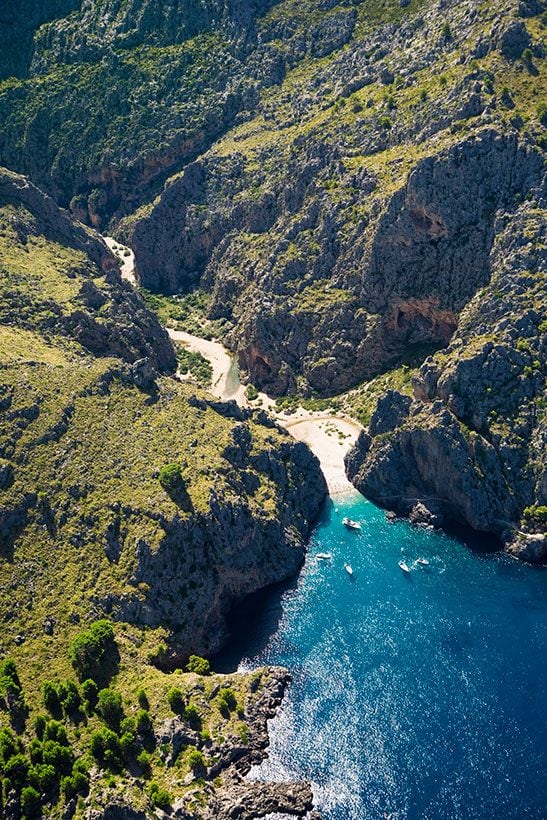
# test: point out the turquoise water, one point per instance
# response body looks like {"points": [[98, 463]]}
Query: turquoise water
{"points": [[419, 696]]}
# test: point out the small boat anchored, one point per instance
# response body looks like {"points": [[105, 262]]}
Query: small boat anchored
{"points": [[350, 524], [403, 566], [323, 556], [348, 569], [423, 561]]}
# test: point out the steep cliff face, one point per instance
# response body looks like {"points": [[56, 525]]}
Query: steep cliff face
{"points": [[469, 446], [346, 226], [87, 426], [19, 22], [126, 496], [61, 283]]}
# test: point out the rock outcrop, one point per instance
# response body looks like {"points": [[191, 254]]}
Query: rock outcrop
{"points": [[83, 297], [469, 447]]}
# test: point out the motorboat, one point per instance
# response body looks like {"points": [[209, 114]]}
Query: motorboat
{"points": [[423, 561], [348, 569], [404, 567], [323, 556], [350, 524]]}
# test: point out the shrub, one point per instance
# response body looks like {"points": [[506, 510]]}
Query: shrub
{"points": [[30, 801], [105, 746], [200, 666], [143, 699], [16, 770], [69, 697], [196, 761], [110, 707], [192, 716], [226, 700], [446, 31], [51, 698], [39, 726], [143, 759], [90, 692], [35, 751], [251, 392], [89, 649], [542, 113], [127, 745], [144, 723], [8, 745], [170, 477], [422, 95], [160, 797], [10, 685], [536, 514], [42, 776], [175, 700], [55, 731], [58, 756]]}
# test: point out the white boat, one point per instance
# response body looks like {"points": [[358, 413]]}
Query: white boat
{"points": [[423, 561], [348, 569], [324, 555], [404, 567], [351, 525]]}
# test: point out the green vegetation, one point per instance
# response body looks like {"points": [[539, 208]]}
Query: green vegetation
{"points": [[195, 365], [170, 477], [535, 514], [90, 650], [200, 666]]}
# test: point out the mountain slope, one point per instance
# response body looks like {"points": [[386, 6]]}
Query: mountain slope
{"points": [[122, 495]]}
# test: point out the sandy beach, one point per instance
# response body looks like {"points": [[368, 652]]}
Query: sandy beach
{"points": [[327, 435]]}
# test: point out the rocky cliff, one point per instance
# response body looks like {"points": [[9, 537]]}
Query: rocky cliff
{"points": [[123, 495], [469, 445], [343, 230]]}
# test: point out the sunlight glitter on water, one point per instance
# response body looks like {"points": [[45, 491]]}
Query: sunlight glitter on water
{"points": [[413, 695]]}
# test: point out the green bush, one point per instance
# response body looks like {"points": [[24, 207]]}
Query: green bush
{"points": [[160, 797], [144, 722], [175, 700], [251, 392], [39, 726], [226, 701], [170, 477], [69, 697], [55, 731], [200, 666], [535, 514], [51, 698], [89, 649], [110, 708], [195, 759], [542, 114], [8, 745], [143, 759], [58, 756], [192, 716], [90, 693], [16, 770], [127, 745], [10, 685], [42, 776], [35, 751], [30, 801], [446, 31], [105, 746]]}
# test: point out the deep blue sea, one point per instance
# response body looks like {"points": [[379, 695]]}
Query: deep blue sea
{"points": [[419, 696]]}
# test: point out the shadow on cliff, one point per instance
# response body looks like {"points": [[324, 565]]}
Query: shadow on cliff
{"points": [[251, 624]]}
